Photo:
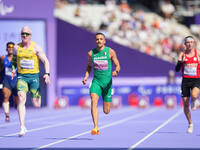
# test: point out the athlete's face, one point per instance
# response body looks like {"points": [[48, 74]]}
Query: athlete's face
{"points": [[100, 40], [189, 44], [10, 49], [26, 35]]}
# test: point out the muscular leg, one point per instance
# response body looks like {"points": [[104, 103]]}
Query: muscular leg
{"points": [[21, 107], [6, 93], [106, 107], [195, 95], [16, 100], [94, 110], [36, 102], [187, 110]]}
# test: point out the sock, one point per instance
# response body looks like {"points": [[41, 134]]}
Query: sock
{"points": [[6, 107]]}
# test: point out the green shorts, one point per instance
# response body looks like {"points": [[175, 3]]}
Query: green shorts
{"points": [[29, 82], [102, 89]]}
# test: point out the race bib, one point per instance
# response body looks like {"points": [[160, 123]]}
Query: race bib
{"points": [[101, 64], [27, 64], [190, 71], [8, 71]]}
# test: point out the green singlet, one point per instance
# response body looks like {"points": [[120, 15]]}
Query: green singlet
{"points": [[102, 67]]}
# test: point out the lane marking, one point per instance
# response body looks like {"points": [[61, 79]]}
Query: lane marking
{"points": [[158, 128], [105, 126], [63, 123], [52, 117]]}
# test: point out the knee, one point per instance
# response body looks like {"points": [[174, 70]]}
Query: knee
{"points": [[186, 104], [21, 97], [6, 99], [94, 101]]}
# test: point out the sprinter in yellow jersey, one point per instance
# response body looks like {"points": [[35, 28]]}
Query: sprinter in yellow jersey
{"points": [[27, 55]]}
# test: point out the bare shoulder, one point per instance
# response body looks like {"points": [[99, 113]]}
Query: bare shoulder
{"points": [[2, 57], [112, 52], [37, 48]]}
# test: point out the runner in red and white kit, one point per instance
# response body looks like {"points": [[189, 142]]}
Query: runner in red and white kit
{"points": [[188, 61]]}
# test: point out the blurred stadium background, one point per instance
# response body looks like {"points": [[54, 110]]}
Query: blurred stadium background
{"points": [[146, 34]]}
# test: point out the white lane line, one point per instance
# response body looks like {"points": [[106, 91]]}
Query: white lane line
{"points": [[62, 124], [158, 128], [105, 126], [53, 117], [41, 119], [49, 126]]}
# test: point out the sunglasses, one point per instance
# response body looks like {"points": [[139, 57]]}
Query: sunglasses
{"points": [[25, 34], [10, 46]]}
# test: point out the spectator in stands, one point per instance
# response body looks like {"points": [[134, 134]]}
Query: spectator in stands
{"points": [[134, 27], [124, 6], [167, 8], [171, 77]]}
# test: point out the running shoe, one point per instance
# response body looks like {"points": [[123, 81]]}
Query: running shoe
{"points": [[190, 128], [7, 119], [95, 131], [23, 131], [194, 104]]}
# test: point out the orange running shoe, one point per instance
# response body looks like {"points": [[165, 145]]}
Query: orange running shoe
{"points": [[95, 131]]}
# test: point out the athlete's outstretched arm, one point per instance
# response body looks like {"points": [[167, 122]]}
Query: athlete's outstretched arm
{"points": [[115, 61], [89, 67], [40, 53]]}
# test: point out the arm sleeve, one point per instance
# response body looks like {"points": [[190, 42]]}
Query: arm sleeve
{"points": [[178, 66]]}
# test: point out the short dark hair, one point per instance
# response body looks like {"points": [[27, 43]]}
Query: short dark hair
{"points": [[9, 44], [99, 33]]}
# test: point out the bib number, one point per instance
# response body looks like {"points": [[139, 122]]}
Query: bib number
{"points": [[101, 65], [190, 71], [8, 71], [27, 64]]}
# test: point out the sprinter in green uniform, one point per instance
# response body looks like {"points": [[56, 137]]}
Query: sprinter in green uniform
{"points": [[100, 59]]}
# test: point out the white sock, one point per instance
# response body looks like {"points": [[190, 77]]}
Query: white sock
{"points": [[6, 107]]}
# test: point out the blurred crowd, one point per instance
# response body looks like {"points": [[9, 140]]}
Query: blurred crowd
{"points": [[137, 27]]}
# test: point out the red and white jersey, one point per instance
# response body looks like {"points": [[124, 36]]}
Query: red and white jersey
{"points": [[191, 67]]}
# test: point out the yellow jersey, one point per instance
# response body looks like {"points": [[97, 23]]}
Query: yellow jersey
{"points": [[27, 60]]}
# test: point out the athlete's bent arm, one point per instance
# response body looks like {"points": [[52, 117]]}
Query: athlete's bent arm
{"points": [[89, 68], [1, 63], [180, 62], [115, 61], [45, 61], [14, 61]]}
